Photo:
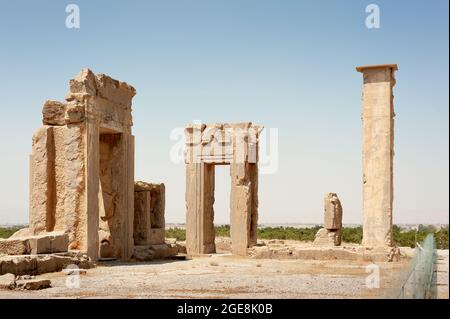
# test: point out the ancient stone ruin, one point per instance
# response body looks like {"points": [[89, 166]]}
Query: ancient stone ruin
{"points": [[378, 153], [85, 205], [82, 192], [149, 206], [82, 167], [330, 234], [221, 144]]}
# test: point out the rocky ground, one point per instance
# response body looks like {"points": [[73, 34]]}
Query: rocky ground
{"points": [[221, 276]]}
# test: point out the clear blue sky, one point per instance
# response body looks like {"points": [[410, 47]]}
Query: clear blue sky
{"points": [[283, 64]]}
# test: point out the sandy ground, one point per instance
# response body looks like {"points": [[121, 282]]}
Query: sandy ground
{"points": [[223, 276]]}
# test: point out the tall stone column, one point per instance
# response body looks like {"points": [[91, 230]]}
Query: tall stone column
{"points": [[378, 152], [199, 208]]}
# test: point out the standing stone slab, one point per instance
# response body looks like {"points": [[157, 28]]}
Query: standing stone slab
{"points": [[333, 212], [43, 181], [331, 234]]}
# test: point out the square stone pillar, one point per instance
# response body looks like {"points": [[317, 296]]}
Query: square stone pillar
{"points": [[243, 205], [42, 179], [378, 152], [199, 208], [90, 220]]}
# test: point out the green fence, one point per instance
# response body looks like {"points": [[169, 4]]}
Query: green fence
{"points": [[418, 283]]}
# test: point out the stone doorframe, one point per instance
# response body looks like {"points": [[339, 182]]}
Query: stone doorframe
{"points": [[221, 144], [82, 167]]}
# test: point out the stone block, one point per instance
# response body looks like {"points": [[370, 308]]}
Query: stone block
{"points": [[326, 237], [33, 284], [7, 281], [21, 233], [19, 246], [157, 236], [49, 243], [53, 113]]}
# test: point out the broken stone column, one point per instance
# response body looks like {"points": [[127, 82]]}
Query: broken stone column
{"points": [[149, 220], [331, 234], [378, 153]]}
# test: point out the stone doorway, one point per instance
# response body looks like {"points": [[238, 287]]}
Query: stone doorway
{"points": [[76, 187], [235, 145]]}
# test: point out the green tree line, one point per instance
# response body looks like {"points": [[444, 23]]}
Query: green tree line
{"points": [[403, 238]]}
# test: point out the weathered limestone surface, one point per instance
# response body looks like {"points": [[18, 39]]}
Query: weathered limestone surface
{"points": [[7, 281], [82, 167], [53, 113], [326, 237], [41, 264], [221, 144], [46, 243], [43, 188], [23, 232], [378, 152], [157, 251], [149, 209], [333, 212], [199, 208], [330, 235], [244, 207], [33, 284], [16, 246]]}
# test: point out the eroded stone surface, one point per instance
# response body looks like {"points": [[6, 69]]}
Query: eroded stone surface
{"points": [[160, 251], [332, 212], [378, 152], [41, 264], [7, 281], [82, 167], [33, 284], [330, 235], [53, 113], [48, 243], [149, 209], [15, 246]]}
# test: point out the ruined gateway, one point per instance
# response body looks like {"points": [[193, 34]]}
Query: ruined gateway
{"points": [[83, 197], [82, 191], [221, 144]]}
